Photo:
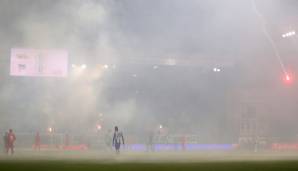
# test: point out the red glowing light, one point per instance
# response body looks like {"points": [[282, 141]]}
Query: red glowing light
{"points": [[288, 78]]}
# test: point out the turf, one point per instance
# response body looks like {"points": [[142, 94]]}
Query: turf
{"points": [[87, 161], [208, 166]]}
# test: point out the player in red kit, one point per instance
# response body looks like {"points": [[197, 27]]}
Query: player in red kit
{"points": [[11, 139], [37, 141], [183, 142]]}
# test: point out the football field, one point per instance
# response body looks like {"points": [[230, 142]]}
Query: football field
{"points": [[96, 160]]}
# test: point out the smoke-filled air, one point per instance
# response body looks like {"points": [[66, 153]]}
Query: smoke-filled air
{"points": [[159, 75]]}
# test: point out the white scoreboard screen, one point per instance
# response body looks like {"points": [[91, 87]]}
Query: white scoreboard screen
{"points": [[39, 62]]}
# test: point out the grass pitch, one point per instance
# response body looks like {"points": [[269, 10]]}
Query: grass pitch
{"points": [[132, 161]]}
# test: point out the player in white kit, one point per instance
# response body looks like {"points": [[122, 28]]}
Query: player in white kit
{"points": [[118, 136]]}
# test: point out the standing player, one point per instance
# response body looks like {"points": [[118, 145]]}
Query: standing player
{"points": [[183, 142], [118, 136], [11, 139], [37, 142], [66, 140], [150, 143]]}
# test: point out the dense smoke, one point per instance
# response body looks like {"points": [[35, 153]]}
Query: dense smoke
{"points": [[160, 57]]}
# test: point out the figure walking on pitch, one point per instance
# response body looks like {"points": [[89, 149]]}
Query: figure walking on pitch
{"points": [[118, 136], [11, 139]]}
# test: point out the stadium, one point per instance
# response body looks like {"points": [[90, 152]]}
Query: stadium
{"points": [[143, 85]]}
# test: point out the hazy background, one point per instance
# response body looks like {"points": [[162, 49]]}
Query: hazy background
{"points": [[161, 56]]}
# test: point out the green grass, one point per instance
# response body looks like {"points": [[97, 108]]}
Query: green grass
{"points": [[208, 166], [132, 161]]}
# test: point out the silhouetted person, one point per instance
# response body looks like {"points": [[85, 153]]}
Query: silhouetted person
{"points": [[11, 139], [37, 141], [118, 136], [150, 143], [66, 140], [183, 142]]}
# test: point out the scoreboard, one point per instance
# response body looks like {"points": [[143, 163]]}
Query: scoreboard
{"points": [[39, 62]]}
